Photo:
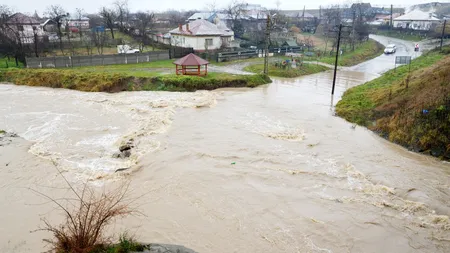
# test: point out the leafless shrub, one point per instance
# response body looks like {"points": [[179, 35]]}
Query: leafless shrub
{"points": [[87, 214]]}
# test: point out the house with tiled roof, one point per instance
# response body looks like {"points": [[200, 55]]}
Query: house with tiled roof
{"points": [[202, 35], [23, 27], [416, 20]]}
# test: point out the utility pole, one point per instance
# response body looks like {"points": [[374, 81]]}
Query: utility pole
{"points": [[266, 53], [320, 13], [390, 24], [303, 15], [443, 32], [337, 56]]}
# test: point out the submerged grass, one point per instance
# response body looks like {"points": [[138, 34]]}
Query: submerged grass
{"points": [[305, 69], [363, 52], [409, 109]]}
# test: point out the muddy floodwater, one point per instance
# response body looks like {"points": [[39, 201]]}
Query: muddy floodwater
{"points": [[269, 169]]}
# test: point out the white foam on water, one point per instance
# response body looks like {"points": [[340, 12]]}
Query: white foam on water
{"points": [[275, 129]]}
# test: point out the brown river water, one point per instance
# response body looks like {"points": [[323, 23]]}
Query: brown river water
{"points": [[269, 169]]}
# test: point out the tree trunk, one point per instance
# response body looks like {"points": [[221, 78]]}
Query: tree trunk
{"points": [[112, 32]]}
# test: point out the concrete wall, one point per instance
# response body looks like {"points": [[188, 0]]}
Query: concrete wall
{"points": [[94, 60]]}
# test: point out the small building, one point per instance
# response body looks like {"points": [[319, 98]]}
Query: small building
{"points": [[24, 28], [416, 20], [78, 22], [201, 35], [191, 64]]}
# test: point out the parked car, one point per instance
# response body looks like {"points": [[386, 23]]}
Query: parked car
{"points": [[390, 49], [126, 49]]}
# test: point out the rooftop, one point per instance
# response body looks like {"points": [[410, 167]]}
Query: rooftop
{"points": [[191, 60], [20, 18], [202, 27], [417, 15]]}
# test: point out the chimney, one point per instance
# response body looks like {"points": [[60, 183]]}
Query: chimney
{"points": [[187, 27], [180, 27]]}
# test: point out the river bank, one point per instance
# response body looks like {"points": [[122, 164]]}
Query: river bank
{"points": [[269, 169], [410, 109], [116, 82]]}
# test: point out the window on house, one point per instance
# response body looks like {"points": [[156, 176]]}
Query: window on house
{"points": [[20, 28], [208, 42]]}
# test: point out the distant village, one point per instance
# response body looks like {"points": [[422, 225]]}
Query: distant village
{"points": [[239, 25]]}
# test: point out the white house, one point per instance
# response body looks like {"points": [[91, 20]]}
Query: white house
{"points": [[416, 20], [75, 21], [201, 35], [24, 27]]}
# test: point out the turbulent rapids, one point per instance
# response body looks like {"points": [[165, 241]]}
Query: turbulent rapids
{"points": [[269, 169]]}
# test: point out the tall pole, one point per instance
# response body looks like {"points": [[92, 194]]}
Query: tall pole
{"points": [[337, 57], [266, 53], [390, 24], [443, 32]]}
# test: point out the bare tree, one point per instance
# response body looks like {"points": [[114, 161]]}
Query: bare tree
{"points": [[109, 17], [10, 37], [212, 6], [235, 12], [99, 38], [58, 15], [176, 17], [122, 13], [145, 21]]}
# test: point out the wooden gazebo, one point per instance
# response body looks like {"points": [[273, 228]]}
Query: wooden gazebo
{"points": [[191, 64]]}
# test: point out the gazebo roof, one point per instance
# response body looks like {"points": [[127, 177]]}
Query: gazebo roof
{"points": [[191, 60]]}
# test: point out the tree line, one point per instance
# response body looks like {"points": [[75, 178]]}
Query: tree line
{"points": [[19, 42]]}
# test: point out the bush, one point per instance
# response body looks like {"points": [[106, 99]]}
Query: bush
{"points": [[115, 82], [87, 215]]}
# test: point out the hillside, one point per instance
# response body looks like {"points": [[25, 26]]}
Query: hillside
{"points": [[415, 114]]}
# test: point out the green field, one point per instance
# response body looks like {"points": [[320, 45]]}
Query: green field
{"points": [[305, 69], [11, 63]]}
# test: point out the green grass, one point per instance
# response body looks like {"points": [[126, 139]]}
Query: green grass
{"points": [[11, 63], [363, 52], [306, 69], [126, 244], [393, 104], [2, 131], [122, 80], [148, 69], [400, 35]]}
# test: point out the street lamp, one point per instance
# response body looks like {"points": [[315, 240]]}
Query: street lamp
{"points": [[266, 53]]}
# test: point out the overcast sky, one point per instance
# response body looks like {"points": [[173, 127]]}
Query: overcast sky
{"points": [[92, 6]]}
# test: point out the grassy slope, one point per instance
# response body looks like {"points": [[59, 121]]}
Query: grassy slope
{"points": [[387, 106], [363, 52], [306, 69]]}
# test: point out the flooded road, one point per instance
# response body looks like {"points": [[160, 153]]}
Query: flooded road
{"points": [[268, 169]]}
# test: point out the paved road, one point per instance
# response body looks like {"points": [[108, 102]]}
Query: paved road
{"points": [[384, 62]]}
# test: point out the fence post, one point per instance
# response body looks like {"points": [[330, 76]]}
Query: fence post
{"points": [[126, 60], [54, 61]]}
